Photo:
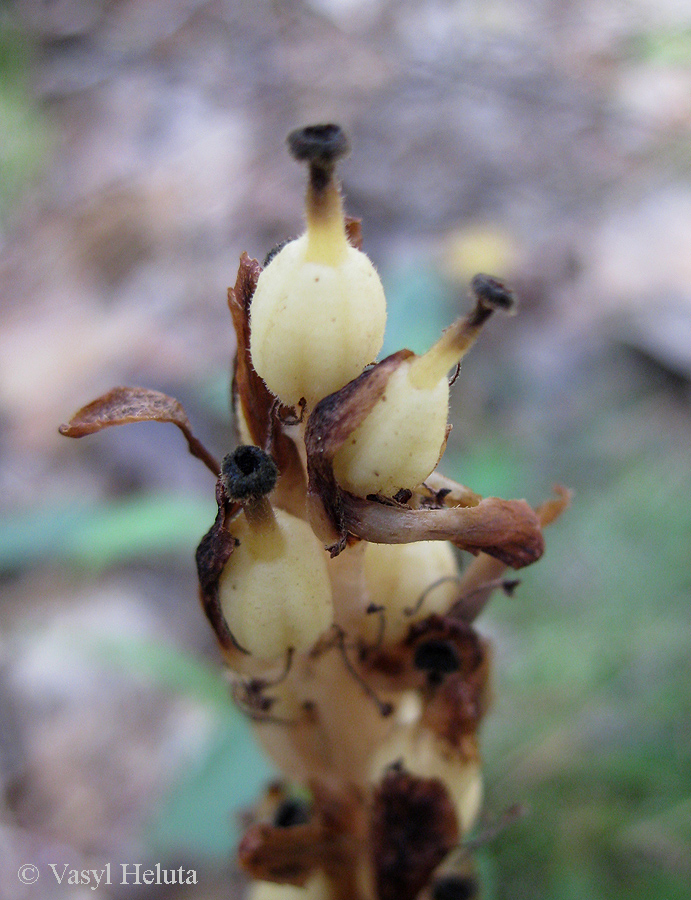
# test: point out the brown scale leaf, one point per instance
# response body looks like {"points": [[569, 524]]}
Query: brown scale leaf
{"points": [[483, 575], [260, 409], [213, 552], [332, 840], [414, 826], [250, 394], [551, 509], [125, 405], [508, 530], [454, 711], [438, 491], [448, 663], [282, 855], [354, 232]]}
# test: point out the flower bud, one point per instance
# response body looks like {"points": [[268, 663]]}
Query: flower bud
{"points": [[274, 590], [422, 753], [318, 312], [408, 582], [401, 440]]}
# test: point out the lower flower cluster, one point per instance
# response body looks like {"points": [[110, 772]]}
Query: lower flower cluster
{"points": [[330, 574]]}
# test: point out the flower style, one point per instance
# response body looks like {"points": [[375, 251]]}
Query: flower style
{"points": [[328, 575]]}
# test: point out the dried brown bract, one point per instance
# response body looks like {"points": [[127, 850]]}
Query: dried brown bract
{"points": [[212, 555], [126, 405], [413, 828], [331, 839]]}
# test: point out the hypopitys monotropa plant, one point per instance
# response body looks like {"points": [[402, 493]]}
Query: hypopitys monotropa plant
{"points": [[330, 574]]}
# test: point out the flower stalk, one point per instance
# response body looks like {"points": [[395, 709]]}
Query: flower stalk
{"points": [[321, 146], [330, 574]]}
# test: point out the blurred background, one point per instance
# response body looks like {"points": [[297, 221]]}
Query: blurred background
{"points": [[141, 151]]}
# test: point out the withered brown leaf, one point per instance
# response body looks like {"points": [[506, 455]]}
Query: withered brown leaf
{"points": [[213, 552], [332, 840], [260, 409], [400, 661], [354, 232], [413, 828], [483, 575], [249, 391], [508, 530], [125, 405]]}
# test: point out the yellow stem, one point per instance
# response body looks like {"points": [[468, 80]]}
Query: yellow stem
{"points": [[326, 234], [426, 371], [260, 515]]}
